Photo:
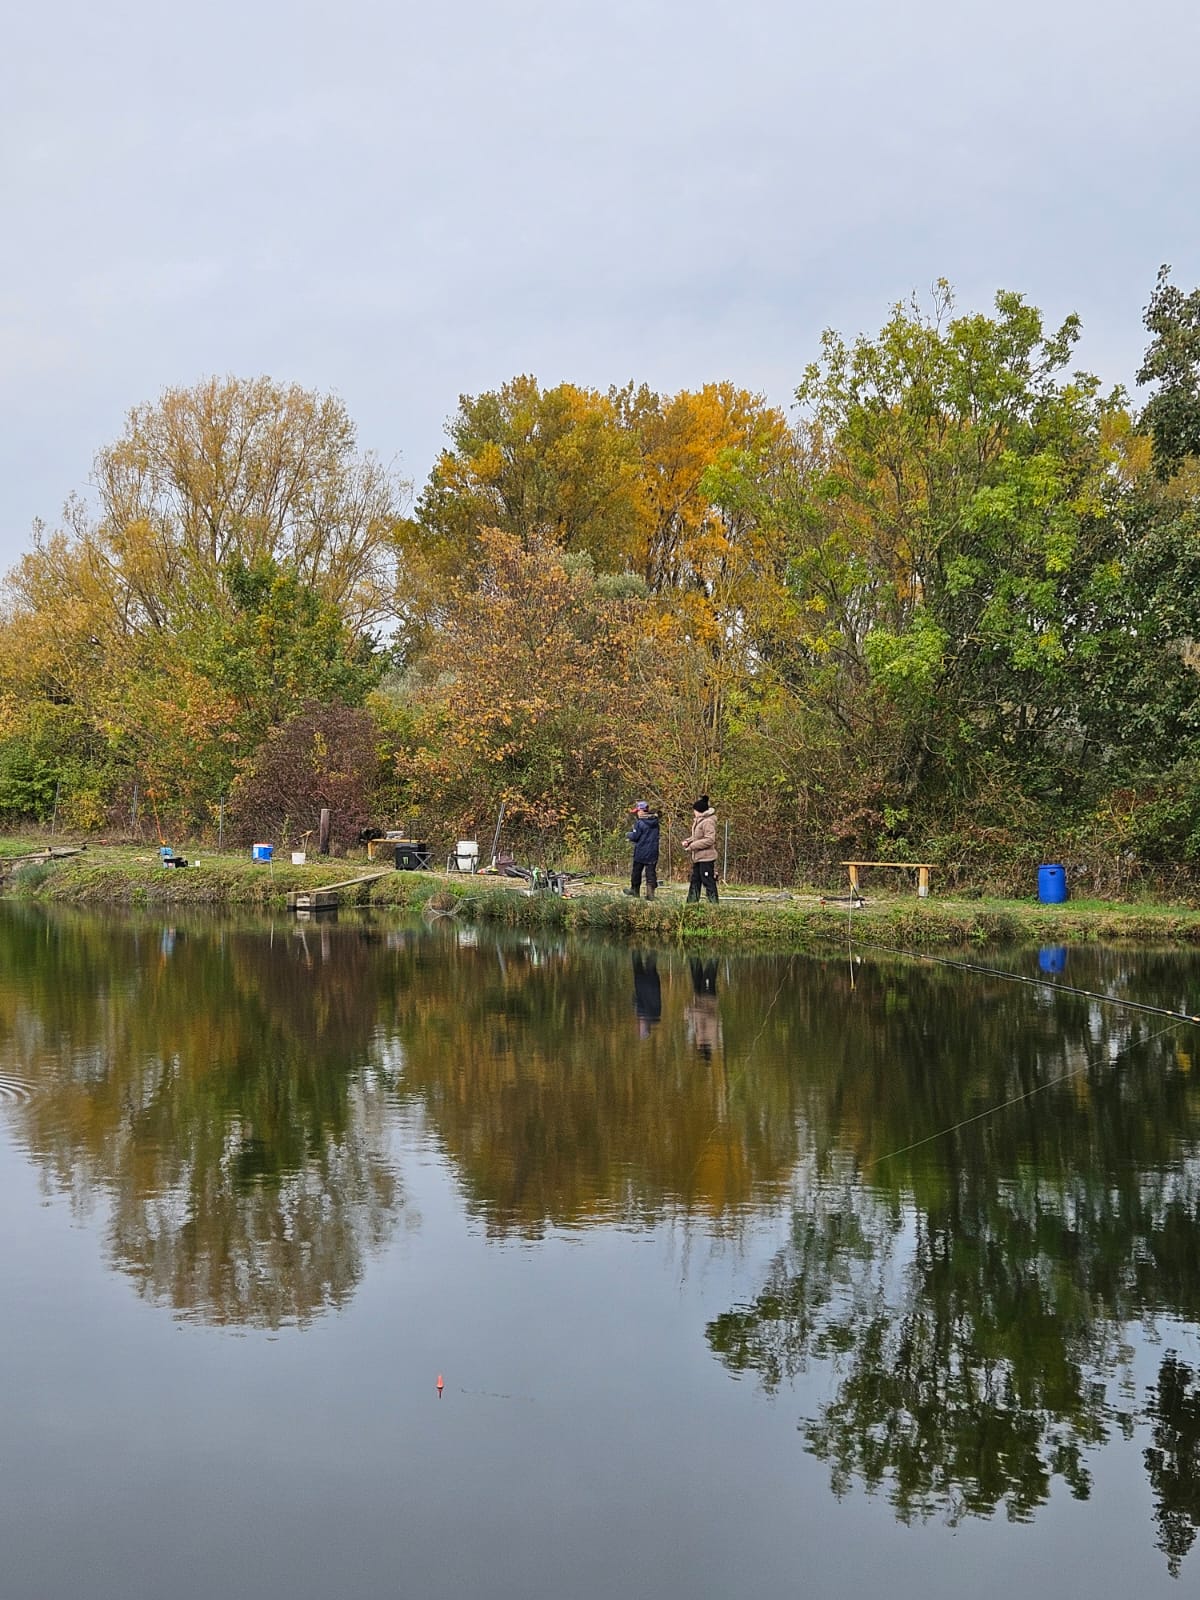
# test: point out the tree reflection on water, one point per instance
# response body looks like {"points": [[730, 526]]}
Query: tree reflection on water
{"points": [[970, 1297], [571, 1085], [217, 1091], [1173, 1462], [968, 1284]]}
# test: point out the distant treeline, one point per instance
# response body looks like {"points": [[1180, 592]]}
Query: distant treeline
{"points": [[948, 609]]}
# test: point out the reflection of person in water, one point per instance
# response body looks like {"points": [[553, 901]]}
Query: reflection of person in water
{"points": [[647, 993], [703, 1014]]}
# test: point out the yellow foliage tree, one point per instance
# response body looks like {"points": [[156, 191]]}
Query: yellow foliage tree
{"points": [[526, 691]]}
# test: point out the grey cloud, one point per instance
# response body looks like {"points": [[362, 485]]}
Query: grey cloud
{"points": [[402, 203]]}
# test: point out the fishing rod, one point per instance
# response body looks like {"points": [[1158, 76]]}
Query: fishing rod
{"points": [[1040, 983]]}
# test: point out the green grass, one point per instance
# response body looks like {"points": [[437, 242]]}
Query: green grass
{"points": [[24, 844], [134, 875], [124, 875]]}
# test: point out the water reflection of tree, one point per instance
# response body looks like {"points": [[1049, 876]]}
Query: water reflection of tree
{"points": [[1173, 1463], [560, 1108], [970, 1296], [214, 1088]]}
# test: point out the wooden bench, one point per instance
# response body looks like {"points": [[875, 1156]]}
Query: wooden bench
{"points": [[921, 868]]}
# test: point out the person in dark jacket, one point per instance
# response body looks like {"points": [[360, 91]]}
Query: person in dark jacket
{"points": [[647, 993], [644, 838]]}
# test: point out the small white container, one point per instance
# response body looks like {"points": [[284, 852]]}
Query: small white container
{"points": [[298, 858]]}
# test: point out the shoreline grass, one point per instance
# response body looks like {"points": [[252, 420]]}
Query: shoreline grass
{"points": [[124, 876]]}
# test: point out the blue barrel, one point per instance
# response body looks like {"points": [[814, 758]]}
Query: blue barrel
{"points": [[1052, 885], [260, 852]]}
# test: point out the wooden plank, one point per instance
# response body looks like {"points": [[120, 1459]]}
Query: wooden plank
{"points": [[327, 897], [348, 883], [312, 900], [927, 865]]}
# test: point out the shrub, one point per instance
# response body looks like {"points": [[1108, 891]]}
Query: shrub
{"points": [[323, 756]]}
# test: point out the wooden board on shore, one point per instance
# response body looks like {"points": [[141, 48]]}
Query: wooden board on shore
{"points": [[328, 897], [38, 858], [313, 900]]}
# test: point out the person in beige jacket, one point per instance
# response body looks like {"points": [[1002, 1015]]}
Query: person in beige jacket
{"points": [[701, 845]]}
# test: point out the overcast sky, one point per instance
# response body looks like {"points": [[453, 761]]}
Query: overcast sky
{"points": [[401, 203]]}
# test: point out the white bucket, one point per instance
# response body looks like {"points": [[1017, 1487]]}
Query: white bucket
{"points": [[298, 858]]}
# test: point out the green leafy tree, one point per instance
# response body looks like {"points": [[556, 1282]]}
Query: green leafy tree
{"points": [[953, 534], [1172, 363]]}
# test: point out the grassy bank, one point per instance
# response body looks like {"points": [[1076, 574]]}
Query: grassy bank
{"points": [[124, 876]]}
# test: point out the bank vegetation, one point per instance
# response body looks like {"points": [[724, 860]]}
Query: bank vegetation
{"points": [[946, 609]]}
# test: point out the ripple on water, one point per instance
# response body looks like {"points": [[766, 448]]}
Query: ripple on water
{"points": [[13, 1090]]}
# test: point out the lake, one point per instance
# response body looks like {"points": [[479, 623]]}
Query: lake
{"points": [[776, 1275]]}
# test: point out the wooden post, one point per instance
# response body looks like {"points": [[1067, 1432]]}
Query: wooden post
{"points": [[922, 881], [496, 835], [323, 841], [854, 874]]}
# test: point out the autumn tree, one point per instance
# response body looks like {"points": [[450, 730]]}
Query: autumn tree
{"points": [[680, 439], [240, 554], [235, 470], [525, 695], [322, 757], [534, 463], [649, 486]]}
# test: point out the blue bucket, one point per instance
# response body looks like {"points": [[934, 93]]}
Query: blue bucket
{"points": [[260, 852], [1052, 885]]}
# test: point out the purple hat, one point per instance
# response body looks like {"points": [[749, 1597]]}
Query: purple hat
{"points": [[639, 805]]}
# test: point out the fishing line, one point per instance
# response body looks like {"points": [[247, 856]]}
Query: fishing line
{"points": [[1020, 977], [766, 1017], [1176, 1018], [1016, 1099]]}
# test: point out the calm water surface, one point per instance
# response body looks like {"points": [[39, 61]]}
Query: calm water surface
{"points": [[774, 1275]]}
